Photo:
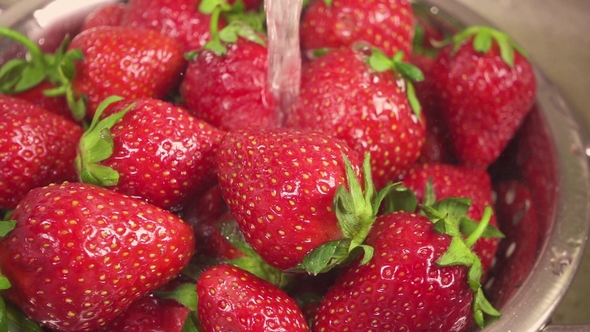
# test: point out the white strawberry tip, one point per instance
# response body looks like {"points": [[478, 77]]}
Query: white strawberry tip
{"points": [[448, 216], [96, 145]]}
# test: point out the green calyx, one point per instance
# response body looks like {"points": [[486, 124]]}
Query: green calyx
{"points": [[483, 38], [251, 261], [356, 210], [238, 26], [450, 217], [380, 62], [20, 75], [96, 145]]}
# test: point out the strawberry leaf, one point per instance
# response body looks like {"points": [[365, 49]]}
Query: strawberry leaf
{"points": [[482, 42], [399, 198], [189, 325], [96, 145], [251, 261], [413, 100], [19, 320], [209, 6], [468, 226], [4, 283], [325, 257], [6, 226], [482, 306], [3, 317], [379, 61], [185, 294], [20, 75], [328, 3]]}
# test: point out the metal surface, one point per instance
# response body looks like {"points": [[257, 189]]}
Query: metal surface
{"points": [[531, 307]]}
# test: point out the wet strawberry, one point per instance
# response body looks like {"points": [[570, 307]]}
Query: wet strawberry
{"points": [[387, 24], [230, 89], [370, 105], [178, 19], [107, 15], [80, 254], [457, 181], [419, 279], [296, 195], [154, 150], [36, 149], [231, 299], [486, 86], [131, 63]]}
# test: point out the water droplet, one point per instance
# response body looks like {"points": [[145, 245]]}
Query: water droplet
{"points": [[560, 260], [574, 242]]}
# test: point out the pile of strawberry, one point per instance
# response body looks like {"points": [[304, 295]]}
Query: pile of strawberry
{"points": [[150, 182]]}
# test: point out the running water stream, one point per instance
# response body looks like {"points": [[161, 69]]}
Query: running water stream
{"points": [[284, 57]]}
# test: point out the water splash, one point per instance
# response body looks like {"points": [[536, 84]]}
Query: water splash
{"points": [[560, 260], [284, 55]]}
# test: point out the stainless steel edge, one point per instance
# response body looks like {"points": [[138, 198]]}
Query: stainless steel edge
{"points": [[19, 11], [530, 309]]}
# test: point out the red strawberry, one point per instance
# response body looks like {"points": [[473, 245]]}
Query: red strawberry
{"points": [[458, 181], [153, 150], [178, 19], [132, 63], [36, 148], [80, 254], [56, 105], [227, 86], [486, 86], [412, 283], [150, 313], [387, 24], [231, 299], [106, 15], [536, 160], [436, 147], [370, 107], [517, 217], [287, 190]]}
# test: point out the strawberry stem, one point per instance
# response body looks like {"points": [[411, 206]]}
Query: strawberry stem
{"points": [[481, 227]]}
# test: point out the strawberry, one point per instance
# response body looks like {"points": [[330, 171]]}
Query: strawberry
{"points": [[231, 299], [370, 106], [80, 254], [436, 146], [132, 63], [387, 24], [422, 277], [245, 100], [110, 14], [149, 149], [517, 217], [179, 19], [297, 202], [36, 148], [457, 181], [536, 160], [485, 86], [150, 313]]}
